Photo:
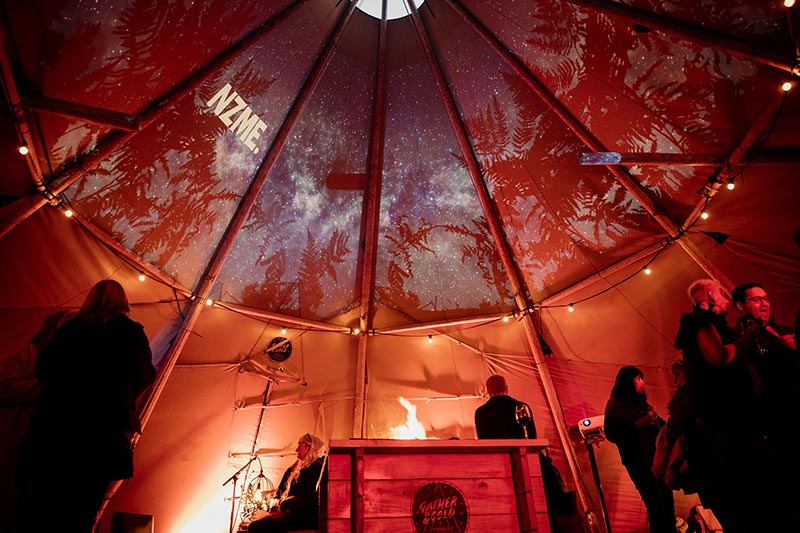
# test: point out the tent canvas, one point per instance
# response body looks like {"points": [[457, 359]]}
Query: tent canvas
{"points": [[302, 165]]}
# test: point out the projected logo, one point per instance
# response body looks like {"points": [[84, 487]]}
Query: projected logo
{"points": [[439, 507]]}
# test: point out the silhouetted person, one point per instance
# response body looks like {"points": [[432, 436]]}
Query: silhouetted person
{"points": [[633, 424], [496, 418], [728, 449], [298, 492], [770, 349], [83, 422], [18, 392]]}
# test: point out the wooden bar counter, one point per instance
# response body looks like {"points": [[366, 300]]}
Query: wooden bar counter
{"points": [[435, 486]]}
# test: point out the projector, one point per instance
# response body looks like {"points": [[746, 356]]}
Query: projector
{"points": [[592, 428]]}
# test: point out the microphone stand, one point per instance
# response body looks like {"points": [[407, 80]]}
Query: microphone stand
{"points": [[235, 478]]}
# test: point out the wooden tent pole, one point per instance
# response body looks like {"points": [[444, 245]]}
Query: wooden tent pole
{"points": [[24, 207], [240, 217], [369, 236], [580, 131], [697, 34], [21, 121], [503, 250], [732, 165]]}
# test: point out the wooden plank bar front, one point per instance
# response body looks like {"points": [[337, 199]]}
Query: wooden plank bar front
{"points": [[436, 486]]}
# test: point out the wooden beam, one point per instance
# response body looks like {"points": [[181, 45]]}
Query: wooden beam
{"points": [[515, 278], [685, 30], [95, 115], [370, 218], [26, 206], [783, 157]]}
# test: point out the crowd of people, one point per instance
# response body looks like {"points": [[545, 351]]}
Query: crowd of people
{"points": [[727, 436]]}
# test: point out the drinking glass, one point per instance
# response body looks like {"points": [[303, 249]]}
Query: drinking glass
{"points": [[523, 415]]}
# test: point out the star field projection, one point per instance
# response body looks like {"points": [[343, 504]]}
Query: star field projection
{"points": [[170, 192]]}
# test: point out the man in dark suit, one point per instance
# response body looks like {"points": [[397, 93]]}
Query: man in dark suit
{"points": [[496, 419]]}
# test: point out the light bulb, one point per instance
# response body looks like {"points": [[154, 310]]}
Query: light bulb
{"points": [[430, 339], [283, 331], [571, 308], [505, 318], [209, 301], [23, 149], [787, 86], [142, 277], [730, 186], [68, 213], [788, 3], [356, 331], [647, 271], [704, 215]]}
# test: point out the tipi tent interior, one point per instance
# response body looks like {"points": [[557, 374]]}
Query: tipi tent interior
{"points": [[330, 210]]}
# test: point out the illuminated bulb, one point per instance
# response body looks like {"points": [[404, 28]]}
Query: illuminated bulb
{"points": [[141, 277], [505, 319], [23, 150], [571, 308], [704, 215], [430, 339], [787, 86], [647, 271], [68, 213], [731, 185], [356, 331], [283, 331], [788, 3], [209, 302]]}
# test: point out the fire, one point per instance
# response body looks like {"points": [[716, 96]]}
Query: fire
{"points": [[413, 428]]}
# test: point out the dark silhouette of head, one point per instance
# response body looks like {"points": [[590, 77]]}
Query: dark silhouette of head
{"points": [[496, 385], [50, 324], [106, 300], [624, 387]]}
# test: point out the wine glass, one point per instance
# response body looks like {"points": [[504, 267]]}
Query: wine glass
{"points": [[523, 415]]}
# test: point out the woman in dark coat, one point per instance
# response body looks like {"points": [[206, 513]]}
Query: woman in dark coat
{"points": [[90, 376], [633, 424], [298, 492]]}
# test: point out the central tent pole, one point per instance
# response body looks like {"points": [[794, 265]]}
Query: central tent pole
{"points": [[369, 240]]}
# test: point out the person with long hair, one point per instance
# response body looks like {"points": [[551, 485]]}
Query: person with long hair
{"points": [[298, 491], [84, 420], [633, 425], [18, 392]]}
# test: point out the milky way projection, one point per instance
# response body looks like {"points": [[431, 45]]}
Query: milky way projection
{"points": [[168, 193]]}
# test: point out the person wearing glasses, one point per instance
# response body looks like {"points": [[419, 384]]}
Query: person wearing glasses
{"points": [[298, 492], [728, 447], [771, 350]]}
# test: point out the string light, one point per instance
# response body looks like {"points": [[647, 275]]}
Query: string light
{"points": [[356, 331], [704, 215], [430, 339], [647, 271], [68, 213], [283, 331], [23, 149], [142, 277], [788, 3], [731, 185], [787, 86], [209, 301], [505, 318], [571, 308]]}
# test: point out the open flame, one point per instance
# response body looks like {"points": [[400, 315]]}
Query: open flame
{"points": [[413, 428]]}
